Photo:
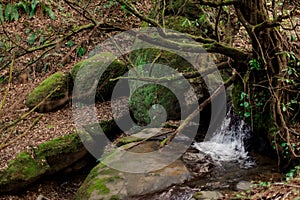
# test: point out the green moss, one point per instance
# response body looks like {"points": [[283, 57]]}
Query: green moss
{"points": [[90, 70], [115, 197], [144, 97], [126, 140], [100, 186], [66, 144], [59, 80], [25, 167]]}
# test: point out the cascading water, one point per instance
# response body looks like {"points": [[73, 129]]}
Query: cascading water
{"points": [[227, 144]]}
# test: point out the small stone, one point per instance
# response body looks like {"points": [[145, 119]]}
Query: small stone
{"points": [[243, 185], [207, 195]]}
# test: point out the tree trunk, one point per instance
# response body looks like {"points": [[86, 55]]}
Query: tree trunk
{"points": [[264, 79]]}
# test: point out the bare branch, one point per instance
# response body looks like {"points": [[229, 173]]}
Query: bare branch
{"points": [[134, 11]]}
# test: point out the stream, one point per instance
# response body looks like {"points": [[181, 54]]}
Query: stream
{"points": [[234, 168]]}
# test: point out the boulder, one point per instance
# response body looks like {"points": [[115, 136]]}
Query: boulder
{"points": [[51, 94], [45, 159], [107, 183], [169, 93], [94, 81]]}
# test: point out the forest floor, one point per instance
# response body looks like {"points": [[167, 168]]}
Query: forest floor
{"points": [[64, 55]]}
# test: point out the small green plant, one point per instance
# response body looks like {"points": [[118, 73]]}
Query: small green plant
{"points": [[245, 104], [292, 173], [285, 147], [110, 3], [264, 184], [254, 64], [11, 11], [31, 39], [190, 23], [70, 43], [81, 51]]}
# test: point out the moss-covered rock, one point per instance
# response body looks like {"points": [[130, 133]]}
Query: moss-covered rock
{"points": [[104, 64], [143, 99], [102, 183], [107, 183], [168, 94], [56, 88], [45, 159], [109, 128]]}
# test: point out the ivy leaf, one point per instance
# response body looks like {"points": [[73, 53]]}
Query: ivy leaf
{"points": [[247, 114], [246, 104]]}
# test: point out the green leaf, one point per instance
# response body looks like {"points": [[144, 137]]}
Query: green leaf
{"points": [[123, 7], [11, 13], [70, 43], [246, 104], [33, 8], [80, 51], [31, 39], [14, 14], [49, 12], [7, 13], [293, 38], [23, 5], [247, 114], [284, 108], [203, 18]]}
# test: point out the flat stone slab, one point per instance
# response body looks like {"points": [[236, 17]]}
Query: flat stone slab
{"points": [[106, 183]]}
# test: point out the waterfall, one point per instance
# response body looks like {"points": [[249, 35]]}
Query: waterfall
{"points": [[227, 143]]}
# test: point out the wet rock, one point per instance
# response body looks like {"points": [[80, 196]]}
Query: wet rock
{"points": [[207, 195], [106, 183], [51, 94], [243, 185], [198, 164]]}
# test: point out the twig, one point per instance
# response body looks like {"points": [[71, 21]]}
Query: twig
{"points": [[3, 145], [28, 113], [8, 85]]}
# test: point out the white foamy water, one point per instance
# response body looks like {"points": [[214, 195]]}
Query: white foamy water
{"points": [[227, 144]]}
